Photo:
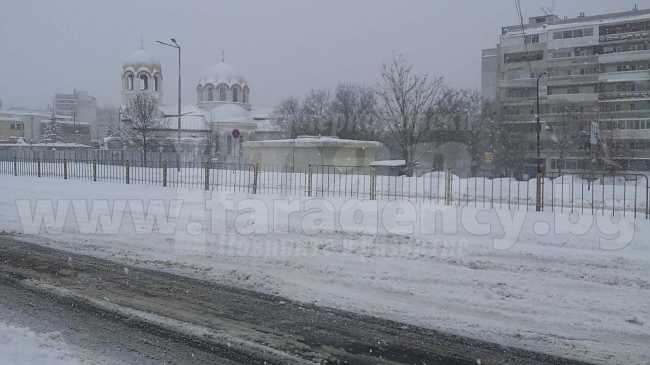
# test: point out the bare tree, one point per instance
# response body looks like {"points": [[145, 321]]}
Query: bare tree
{"points": [[567, 135], [143, 123], [407, 107], [613, 142], [288, 117], [354, 111], [317, 113]]}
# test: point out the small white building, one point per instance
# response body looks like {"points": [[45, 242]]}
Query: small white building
{"points": [[289, 154]]}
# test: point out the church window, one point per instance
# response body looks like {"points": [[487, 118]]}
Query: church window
{"points": [[210, 94], [234, 95], [229, 145], [129, 82], [144, 82], [155, 83], [222, 94], [244, 97]]}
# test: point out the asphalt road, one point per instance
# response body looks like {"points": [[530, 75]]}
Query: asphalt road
{"points": [[144, 316]]}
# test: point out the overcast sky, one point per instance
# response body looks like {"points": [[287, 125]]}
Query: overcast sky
{"points": [[283, 47]]}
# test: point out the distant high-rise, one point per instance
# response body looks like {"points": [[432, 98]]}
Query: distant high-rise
{"points": [[82, 107], [592, 71]]}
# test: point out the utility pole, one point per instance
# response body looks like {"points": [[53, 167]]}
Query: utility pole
{"points": [[178, 145], [538, 200]]}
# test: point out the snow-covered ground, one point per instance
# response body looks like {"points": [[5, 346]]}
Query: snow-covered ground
{"points": [[21, 346], [572, 285]]}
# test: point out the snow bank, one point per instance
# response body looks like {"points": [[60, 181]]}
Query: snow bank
{"points": [[21, 346]]}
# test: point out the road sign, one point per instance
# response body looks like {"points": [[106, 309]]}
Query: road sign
{"points": [[235, 133], [488, 157]]}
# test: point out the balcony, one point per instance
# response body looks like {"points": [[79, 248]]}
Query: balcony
{"points": [[623, 95], [623, 37]]}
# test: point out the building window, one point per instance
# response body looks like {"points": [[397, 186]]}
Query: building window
{"points": [[210, 94], [234, 95], [155, 83], [144, 82], [13, 126], [531, 39], [522, 57], [222, 94], [129, 82], [19, 127]]}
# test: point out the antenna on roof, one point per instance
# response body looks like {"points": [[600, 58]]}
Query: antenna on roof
{"points": [[223, 56], [141, 43]]}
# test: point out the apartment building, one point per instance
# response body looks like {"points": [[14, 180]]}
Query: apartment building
{"points": [[82, 107], [593, 74]]}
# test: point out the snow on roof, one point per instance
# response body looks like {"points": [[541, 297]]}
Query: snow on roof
{"points": [[229, 112], [10, 119], [222, 73], [315, 141], [392, 163], [141, 58], [576, 24], [49, 145]]}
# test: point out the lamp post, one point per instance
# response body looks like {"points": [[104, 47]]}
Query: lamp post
{"points": [[178, 143], [538, 200]]}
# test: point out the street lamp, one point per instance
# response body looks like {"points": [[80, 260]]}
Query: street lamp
{"points": [[538, 201], [178, 145]]}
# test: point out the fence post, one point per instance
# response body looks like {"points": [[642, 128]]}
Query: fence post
{"points": [[94, 170], [128, 165], [65, 169], [538, 193], [373, 183], [256, 171], [207, 176], [309, 180], [448, 187], [15, 167], [164, 173], [38, 167]]}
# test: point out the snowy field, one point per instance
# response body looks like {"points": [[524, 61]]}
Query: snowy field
{"points": [[572, 285]]}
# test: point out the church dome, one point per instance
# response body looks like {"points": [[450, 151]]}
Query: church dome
{"points": [[222, 73], [141, 59]]}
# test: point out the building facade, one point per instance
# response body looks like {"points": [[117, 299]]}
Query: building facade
{"points": [[594, 84], [82, 108]]}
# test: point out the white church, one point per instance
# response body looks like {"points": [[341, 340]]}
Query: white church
{"points": [[222, 105]]}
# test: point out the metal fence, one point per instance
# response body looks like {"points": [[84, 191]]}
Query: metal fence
{"points": [[595, 193]]}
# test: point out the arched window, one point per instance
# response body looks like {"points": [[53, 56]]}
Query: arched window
{"points": [[222, 94], [155, 83], [234, 95], [144, 82], [210, 94], [229, 145], [244, 97], [129, 82]]}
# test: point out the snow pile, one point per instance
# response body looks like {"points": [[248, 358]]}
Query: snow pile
{"points": [[22, 346]]}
